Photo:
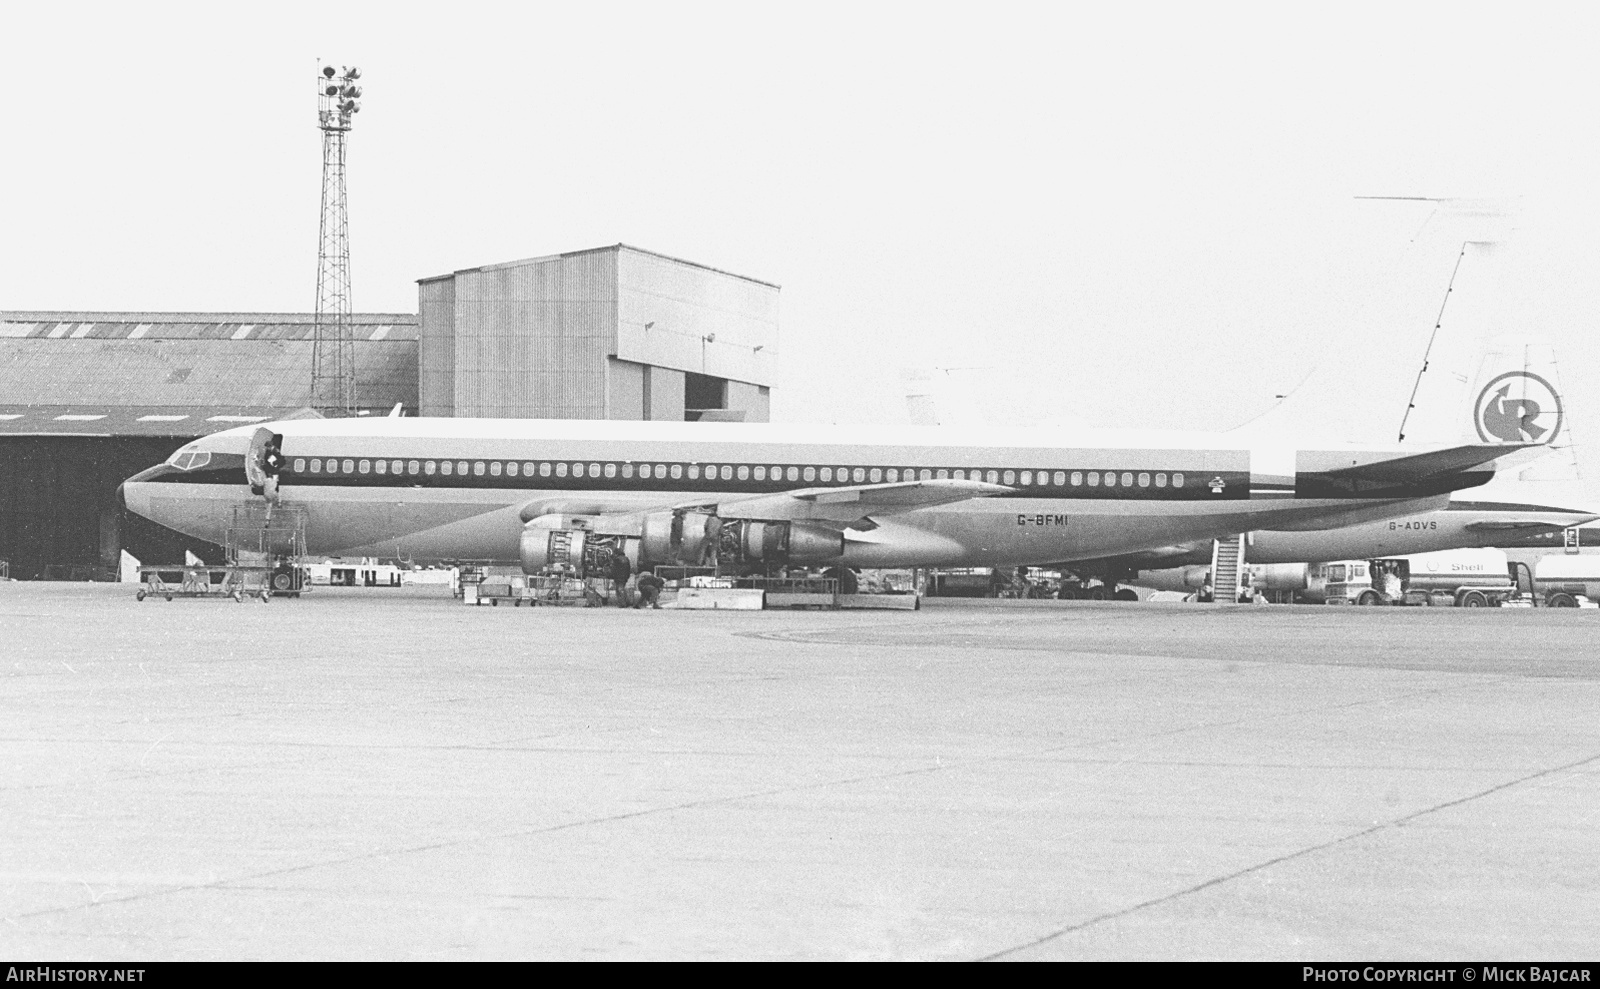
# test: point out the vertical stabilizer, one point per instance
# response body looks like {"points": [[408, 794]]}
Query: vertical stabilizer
{"points": [[1515, 396]]}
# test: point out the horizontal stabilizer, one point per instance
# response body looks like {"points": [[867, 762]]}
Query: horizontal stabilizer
{"points": [[1420, 467]]}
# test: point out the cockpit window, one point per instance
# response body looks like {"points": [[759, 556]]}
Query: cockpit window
{"points": [[189, 459]]}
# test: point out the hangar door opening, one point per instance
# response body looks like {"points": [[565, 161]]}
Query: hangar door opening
{"points": [[705, 399]]}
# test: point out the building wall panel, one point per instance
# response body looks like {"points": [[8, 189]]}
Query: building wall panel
{"points": [[666, 394], [687, 303], [754, 401], [535, 338]]}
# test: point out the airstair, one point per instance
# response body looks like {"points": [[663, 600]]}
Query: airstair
{"points": [[1227, 568]]}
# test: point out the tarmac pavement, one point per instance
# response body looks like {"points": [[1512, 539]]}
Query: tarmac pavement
{"points": [[386, 774]]}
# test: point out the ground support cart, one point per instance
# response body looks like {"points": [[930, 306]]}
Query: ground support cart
{"points": [[233, 582]]}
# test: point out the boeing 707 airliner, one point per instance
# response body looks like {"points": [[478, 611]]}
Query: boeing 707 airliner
{"points": [[758, 496]]}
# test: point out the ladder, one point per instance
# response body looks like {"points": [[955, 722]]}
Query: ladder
{"points": [[262, 531], [1227, 568]]}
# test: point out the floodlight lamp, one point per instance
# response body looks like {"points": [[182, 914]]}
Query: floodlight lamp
{"points": [[328, 71], [355, 91], [711, 338], [332, 90]]}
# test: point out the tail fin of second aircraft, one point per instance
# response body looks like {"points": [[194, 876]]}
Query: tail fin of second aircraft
{"points": [[1514, 397]]}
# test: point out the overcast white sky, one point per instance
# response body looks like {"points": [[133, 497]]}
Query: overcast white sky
{"points": [[1137, 215]]}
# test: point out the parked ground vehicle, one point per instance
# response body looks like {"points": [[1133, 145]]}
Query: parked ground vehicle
{"points": [[1567, 581], [1465, 578]]}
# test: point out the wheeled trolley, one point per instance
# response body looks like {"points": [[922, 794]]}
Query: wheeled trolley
{"points": [[233, 582]]}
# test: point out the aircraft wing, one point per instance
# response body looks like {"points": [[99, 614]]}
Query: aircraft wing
{"points": [[850, 503], [843, 505]]}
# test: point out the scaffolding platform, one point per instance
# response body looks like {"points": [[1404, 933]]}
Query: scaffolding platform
{"points": [[560, 590], [271, 536], [237, 583], [265, 546]]}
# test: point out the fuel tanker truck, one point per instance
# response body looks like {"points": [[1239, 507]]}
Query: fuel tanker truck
{"points": [[1568, 580], [1467, 578]]}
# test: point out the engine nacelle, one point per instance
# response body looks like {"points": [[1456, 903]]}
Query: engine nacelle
{"points": [[543, 549], [1263, 577], [687, 538], [684, 538], [699, 538], [1278, 576], [751, 541]]}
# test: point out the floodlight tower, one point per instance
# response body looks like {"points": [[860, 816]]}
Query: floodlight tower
{"points": [[333, 352]]}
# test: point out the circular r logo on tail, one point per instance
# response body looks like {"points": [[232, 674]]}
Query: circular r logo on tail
{"points": [[1518, 407]]}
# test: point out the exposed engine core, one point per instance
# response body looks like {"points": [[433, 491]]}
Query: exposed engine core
{"points": [[746, 541], [684, 538]]}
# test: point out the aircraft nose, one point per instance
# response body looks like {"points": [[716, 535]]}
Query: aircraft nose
{"points": [[134, 493]]}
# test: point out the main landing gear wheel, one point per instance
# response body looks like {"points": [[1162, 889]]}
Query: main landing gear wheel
{"points": [[846, 578]]}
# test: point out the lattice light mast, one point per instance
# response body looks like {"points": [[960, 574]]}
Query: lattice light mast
{"points": [[333, 354]]}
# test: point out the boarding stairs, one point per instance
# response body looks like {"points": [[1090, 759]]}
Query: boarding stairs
{"points": [[1227, 568]]}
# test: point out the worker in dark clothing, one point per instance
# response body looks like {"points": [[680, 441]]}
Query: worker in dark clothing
{"points": [[620, 571], [649, 587]]}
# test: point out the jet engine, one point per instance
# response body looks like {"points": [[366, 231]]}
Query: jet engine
{"points": [[686, 538], [700, 538], [1263, 577], [1278, 576], [544, 549], [580, 552], [749, 541]]}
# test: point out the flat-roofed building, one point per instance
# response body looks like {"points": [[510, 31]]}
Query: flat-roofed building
{"points": [[608, 333]]}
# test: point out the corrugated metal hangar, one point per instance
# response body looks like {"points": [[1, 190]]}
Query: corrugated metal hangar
{"points": [[88, 399], [610, 333]]}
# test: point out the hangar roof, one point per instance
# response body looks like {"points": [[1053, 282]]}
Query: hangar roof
{"points": [[127, 367], [599, 250], [144, 420], [194, 326]]}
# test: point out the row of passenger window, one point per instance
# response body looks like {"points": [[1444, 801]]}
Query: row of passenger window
{"points": [[729, 472]]}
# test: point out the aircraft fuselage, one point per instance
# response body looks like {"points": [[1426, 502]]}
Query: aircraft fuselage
{"points": [[461, 489]]}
